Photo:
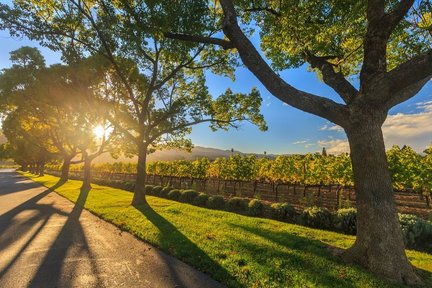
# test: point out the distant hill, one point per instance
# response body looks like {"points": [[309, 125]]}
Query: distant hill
{"points": [[170, 155]]}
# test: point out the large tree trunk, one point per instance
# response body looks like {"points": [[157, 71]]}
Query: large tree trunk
{"points": [[86, 185], [41, 169], [139, 191], [65, 169], [379, 244]]}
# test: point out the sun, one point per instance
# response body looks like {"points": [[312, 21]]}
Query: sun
{"points": [[99, 131]]}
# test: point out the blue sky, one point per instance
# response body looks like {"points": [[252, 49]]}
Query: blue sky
{"points": [[290, 130]]}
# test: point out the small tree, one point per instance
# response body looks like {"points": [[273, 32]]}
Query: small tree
{"points": [[324, 152]]}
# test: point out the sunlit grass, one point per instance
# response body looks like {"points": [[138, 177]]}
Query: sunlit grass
{"points": [[237, 250]]}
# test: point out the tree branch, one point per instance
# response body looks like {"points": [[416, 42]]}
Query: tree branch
{"points": [[201, 39], [409, 73], [397, 14], [380, 27], [307, 102], [335, 80], [405, 93], [179, 127]]}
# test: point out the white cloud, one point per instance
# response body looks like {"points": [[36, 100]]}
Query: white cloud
{"points": [[335, 146], [414, 130], [300, 142], [331, 127]]}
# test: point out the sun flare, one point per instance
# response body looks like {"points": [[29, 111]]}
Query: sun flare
{"points": [[99, 131]]}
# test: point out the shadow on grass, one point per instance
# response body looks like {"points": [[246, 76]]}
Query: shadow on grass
{"points": [[178, 245], [308, 255]]}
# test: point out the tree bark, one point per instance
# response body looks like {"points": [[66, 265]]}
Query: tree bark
{"points": [[65, 169], [86, 185], [42, 169], [139, 191], [379, 244]]}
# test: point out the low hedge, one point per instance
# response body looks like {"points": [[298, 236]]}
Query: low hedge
{"points": [[282, 211], [237, 204], [174, 194], [416, 231], [346, 220], [256, 207], [188, 196], [317, 217], [201, 199], [216, 202]]}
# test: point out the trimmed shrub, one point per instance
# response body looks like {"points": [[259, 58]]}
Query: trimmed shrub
{"points": [[129, 186], [282, 211], [236, 204], [317, 217], [149, 189], [256, 207], [174, 194], [346, 220], [157, 190], [188, 195], [201, 199], [416, 231], [165, 191], [216, 202]]}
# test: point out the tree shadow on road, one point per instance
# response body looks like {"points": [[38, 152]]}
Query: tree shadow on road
{"points": [[70, 242], [49, 272], [178, 245], [8, 221]]}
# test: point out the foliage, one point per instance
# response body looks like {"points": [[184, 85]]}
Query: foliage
{"points": [[216, 202], [416, 231], [236, 204], [201, 199], [174, 194], [256, 207], [157, 190], [317, 217], [188, 196], [282, 211], [149, 189], [165, 191], [346, 220], [410, 170]]}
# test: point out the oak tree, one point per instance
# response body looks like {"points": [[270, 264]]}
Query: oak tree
{"points": [[385, 45]]}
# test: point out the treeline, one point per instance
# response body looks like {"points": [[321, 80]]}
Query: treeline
{"points": [[409, 169]]}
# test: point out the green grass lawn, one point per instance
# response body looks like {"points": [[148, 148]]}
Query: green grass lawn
{"points": [[237, 250]]}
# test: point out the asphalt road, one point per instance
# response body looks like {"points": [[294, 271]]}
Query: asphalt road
{"points": [[46, 241]]}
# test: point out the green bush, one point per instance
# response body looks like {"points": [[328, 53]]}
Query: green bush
{"points": [[237, 204], [346, 220], [174, 194], [188, 195], [416, 231], [165, 191], [317, 217], [256, 207], [282, 211], [216, 202], [157, 190], [148, 189], [201, 199], [129, 186]]}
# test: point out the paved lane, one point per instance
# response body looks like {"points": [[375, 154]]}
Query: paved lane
{"points": [[47, 241]]}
